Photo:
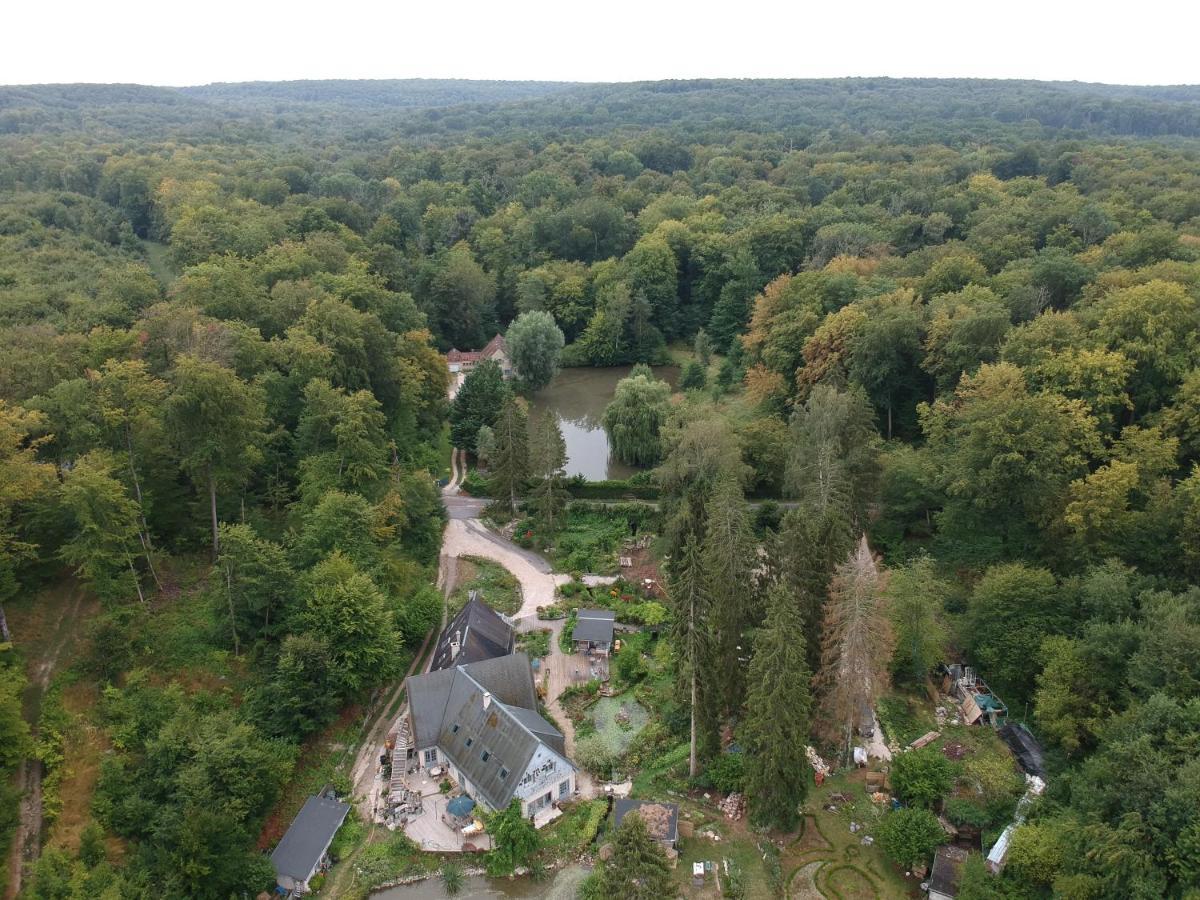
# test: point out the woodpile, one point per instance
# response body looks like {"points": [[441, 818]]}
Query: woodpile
{"points": [[734, 806]]}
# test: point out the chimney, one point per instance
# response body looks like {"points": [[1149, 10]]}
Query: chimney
{"points": [[456, 645], [487, 699]]}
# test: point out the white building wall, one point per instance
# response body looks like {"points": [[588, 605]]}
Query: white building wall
{"points": [[545, 774]]}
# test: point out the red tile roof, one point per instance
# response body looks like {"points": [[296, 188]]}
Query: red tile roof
{"points": [[494, 346]]}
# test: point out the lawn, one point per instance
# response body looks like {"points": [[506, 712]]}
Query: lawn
{"points": [[498, 588]]}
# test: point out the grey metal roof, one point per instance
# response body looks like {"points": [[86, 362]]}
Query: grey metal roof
{"points": [[593, 625], [309, 836], [480, 633], [508, 678], [624, 806]]}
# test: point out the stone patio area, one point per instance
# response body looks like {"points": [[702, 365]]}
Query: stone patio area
{"points": [[432, 829]]}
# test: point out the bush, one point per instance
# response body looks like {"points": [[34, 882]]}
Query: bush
{"points": [[963, 812], [909, 836], [611, 490], [593, 754], [922, 777], [727, 772]]}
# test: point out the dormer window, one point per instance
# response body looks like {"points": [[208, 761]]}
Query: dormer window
{"points": [[503, 773], [470, 741], [485, 755], [454, 730]]}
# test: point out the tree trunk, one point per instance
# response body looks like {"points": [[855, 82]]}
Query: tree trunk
{"points": [[692, 766], [137, 582], [212, 504], [4, 633], [143, 528], [232, 615], [889, 421]]}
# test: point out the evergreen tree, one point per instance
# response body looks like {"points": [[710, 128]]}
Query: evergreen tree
{"points": [[778, 705], [692, 637], [702, 346], [548, 456], [729, 552], [511, 468], [478, 402], [638, 868], [692, 378]]}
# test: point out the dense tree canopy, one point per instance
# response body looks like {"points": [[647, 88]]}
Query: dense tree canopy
{"points": [[958, 317]]}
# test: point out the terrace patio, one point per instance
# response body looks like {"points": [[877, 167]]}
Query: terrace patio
{"points": [[435, 828]]}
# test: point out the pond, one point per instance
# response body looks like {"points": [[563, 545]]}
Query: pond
{"points": [[577, 398], [563, 886]]}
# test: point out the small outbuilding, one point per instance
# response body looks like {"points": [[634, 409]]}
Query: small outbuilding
{"points": [[594, 630], [947, 870], [304, 850], [662, 819]]}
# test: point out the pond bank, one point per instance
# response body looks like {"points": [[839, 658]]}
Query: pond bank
{"points": [[577, 398], [562, 886]]}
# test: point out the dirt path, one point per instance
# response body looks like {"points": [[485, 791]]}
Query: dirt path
{"points": [[44, 657], [469, 537]]}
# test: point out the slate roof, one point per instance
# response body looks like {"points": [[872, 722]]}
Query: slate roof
{"points": [[508, 678], [309, 836], [477, 725], [947, 870], [623, 806], [593, 625], [480, 632], [485, 706]]}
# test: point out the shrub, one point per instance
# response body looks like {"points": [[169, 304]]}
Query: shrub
{"points": [[909, 836], [963, 812], [727, 772], [922, 777], [1036, 853], [593, 754]]}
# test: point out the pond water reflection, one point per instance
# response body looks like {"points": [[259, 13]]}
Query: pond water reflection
{"points": [[577, 398]]}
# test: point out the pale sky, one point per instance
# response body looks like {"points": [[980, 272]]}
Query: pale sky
{"points": [[168, 42]]}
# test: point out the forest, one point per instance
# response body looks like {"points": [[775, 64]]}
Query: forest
{"points": [[944, 334]]}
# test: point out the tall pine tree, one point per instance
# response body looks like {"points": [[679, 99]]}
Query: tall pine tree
{"points": [[511, 467], [548, 456], [729, 552], [693, 643], [778, 706]]}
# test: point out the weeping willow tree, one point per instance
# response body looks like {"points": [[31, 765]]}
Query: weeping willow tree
{"points": [[856, 646], [635, 415]]}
